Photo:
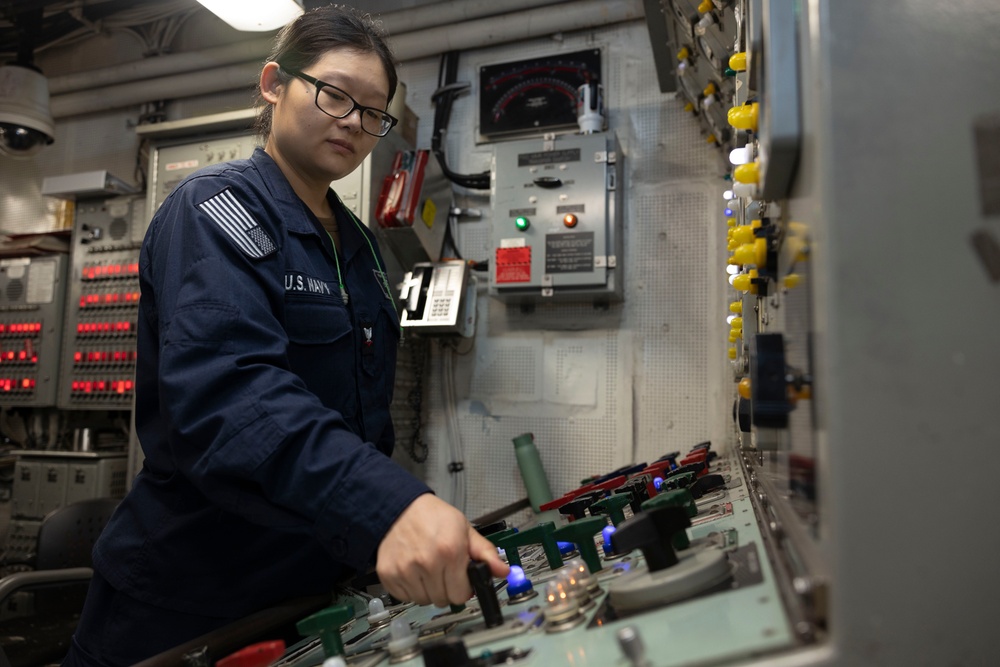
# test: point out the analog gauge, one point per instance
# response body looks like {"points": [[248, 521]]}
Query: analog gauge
{"points": [[535, 94]]}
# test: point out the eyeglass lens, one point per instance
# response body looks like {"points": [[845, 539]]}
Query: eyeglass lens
{"points": [[338, 104]]}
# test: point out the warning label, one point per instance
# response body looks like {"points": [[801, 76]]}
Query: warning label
{"points": [[569, 253], [513, 265]]}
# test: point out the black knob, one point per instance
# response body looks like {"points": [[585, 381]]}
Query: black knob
{"points": [[491, 528], [482, 584], [577, 508], [652, 533], [448, 653], [705, 484]]}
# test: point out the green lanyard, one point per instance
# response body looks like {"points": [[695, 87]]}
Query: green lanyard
{"points": [[371, 248]]}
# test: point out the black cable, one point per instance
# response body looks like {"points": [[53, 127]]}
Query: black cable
{"points": [[443, 98], [417, 448]]}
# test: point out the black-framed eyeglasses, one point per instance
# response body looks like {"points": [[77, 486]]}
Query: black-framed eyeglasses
{"points": [[336, 103]]}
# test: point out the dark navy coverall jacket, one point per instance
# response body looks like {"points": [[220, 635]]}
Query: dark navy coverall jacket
{"points": [[262, 402]]}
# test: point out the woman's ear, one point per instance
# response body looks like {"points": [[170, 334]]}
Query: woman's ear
{"points": [[270, 83]]}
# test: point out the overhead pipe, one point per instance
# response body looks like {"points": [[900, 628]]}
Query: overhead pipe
{"points": [[395, 23], [188, 84], [448, 12], [410, 46], [176, 63], [513, 27]]}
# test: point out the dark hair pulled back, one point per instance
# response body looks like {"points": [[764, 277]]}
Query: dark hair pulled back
{"points": [[303, 41]]}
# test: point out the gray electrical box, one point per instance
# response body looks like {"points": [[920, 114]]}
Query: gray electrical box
{"points": [[557, 219], [47, 480], [32, 296], [102, 308]]}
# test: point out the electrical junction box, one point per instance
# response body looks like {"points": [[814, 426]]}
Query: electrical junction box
{"points": [[557, 219]]}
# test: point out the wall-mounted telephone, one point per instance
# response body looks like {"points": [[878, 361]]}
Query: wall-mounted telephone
{"points": [[439, 298]]}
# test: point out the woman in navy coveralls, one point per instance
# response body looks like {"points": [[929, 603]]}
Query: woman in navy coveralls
{"points": [[266, 358]]}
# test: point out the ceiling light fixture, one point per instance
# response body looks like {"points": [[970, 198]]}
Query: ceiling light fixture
{"points": [[254, 15]]}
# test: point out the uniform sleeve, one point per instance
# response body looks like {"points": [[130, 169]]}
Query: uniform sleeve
{"points": [[239, 423]]}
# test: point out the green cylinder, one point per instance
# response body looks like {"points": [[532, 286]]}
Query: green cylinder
{"points": [[532, 472]]}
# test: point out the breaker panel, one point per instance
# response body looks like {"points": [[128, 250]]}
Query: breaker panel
{"points": [[557, 219], [102, 306], [32, 291]]}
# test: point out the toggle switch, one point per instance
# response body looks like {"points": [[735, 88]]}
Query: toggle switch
{"points": [[256, 655], [652, 533], [327, 624], [577, 508], [614, 506], [581, 533], [481, 580], [540, 534], [706, 484], [670, 575]]}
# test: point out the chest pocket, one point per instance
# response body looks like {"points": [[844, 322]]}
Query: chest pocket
{"points": [[321, 348]]}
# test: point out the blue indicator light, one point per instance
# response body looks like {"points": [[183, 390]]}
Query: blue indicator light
{"points": [[728, 212], [657, 482], [609, 549], [517, 582], [566, 547]]}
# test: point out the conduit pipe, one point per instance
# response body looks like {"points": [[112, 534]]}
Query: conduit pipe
{"points": [[410, 46], [396, 23]]}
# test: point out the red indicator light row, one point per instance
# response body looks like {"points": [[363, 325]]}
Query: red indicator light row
{"points": [[104, 357], [97, 272], [101, 386], [17, 384], [18, 328], [8, 356], [112, 299], [100, 328]]}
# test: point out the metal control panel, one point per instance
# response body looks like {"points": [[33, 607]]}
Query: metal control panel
{"points": [[657, 563], [557, 219], [173, 160], [99, 350], [32, 293]]}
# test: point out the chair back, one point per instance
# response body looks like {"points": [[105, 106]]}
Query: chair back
{"points": [[67, 535]]}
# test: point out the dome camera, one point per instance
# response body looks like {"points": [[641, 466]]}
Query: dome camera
{"points": [[26, 125]]}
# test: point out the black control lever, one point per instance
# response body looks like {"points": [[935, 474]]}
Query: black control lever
{"points": [[652, 533], [482, 585]]}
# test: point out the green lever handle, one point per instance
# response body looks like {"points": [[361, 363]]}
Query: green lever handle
{"points": [[496, 537], [581, 533], [540, 534], [613, 506], [326, 624]]}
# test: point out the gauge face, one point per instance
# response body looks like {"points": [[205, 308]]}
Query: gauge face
{"points": [[534, 94]]}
